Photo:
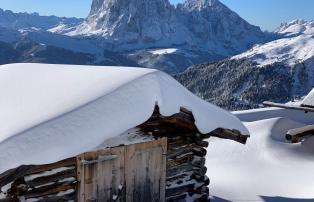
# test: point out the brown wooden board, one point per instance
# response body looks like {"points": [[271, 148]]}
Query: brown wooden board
{"points": [[101, 173], [145, 171]]}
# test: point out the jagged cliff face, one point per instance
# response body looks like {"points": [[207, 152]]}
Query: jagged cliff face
{"points": [[134, 22], [206, 24], [217, 27]]}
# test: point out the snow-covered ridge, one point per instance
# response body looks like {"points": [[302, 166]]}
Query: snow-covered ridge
{"points": [[296, 27], [33, 21], [56, 111], [296, 46]]}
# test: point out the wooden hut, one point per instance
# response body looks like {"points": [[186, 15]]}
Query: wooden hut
{"points": [[157, 158]]}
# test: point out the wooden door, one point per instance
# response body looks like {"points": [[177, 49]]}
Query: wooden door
{"points": [[146, 171], [101, 175], [130, 173]]}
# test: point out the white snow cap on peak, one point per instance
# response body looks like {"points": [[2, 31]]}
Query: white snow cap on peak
{"points": [[200, 4], [298, 26]]}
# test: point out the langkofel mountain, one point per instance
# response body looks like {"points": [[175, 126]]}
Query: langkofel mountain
{"points": [[201, 24], [147, 33]]}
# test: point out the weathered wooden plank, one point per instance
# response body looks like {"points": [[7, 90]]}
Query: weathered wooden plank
{"points": [[111, 175], [229, 134], [143, 183], [164, 145], [180, 160], [80, 178], [101, 175], [299, 137], [41, 168], [202, 143], [52, 178], [89, 188], [14, 174], [178, 190], [49, 190]]}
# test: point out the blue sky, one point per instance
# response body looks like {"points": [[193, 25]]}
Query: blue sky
{"points": [[268, 14]]}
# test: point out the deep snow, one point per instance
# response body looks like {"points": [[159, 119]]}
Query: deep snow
{"points": [[51, 112], [266, 168]]}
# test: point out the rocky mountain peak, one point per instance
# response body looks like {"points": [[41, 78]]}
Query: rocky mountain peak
{"points": [[132, 22], [135, 24]]}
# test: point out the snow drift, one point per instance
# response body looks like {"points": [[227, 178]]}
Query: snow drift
{"points": [[268, 168]]}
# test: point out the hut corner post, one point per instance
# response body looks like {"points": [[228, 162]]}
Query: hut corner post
{"points": [[186, 170], [186, 178]]}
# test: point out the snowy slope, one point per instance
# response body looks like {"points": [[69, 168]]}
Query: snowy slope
{"points": [[266, 168], [277, 71], [294, 47], [57, 111], [296, 27]]}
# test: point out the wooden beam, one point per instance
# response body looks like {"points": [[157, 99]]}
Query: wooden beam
{"points": [[50, 190], [52, 178], [229, 134], [299, 137], [14, 174], [63, 163], [287, 106]]}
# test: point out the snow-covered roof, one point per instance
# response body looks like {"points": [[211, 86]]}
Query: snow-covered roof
{"points": [[51, 112], [309, 99]]}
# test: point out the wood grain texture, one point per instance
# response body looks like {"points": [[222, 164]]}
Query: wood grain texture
{"points": [[145, 171]]}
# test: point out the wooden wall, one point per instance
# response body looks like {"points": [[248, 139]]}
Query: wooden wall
{"points": [[128, 173], [51, 182]]}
